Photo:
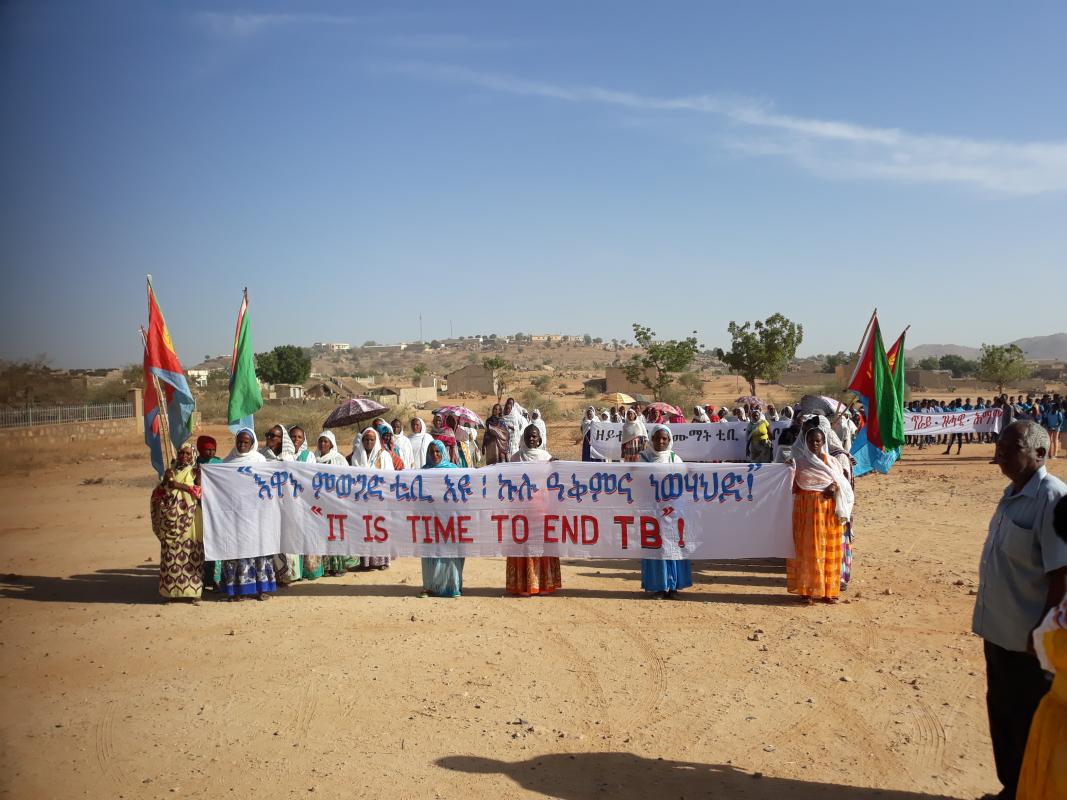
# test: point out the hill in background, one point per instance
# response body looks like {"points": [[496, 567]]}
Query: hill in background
{"points": [[1043, 348]]}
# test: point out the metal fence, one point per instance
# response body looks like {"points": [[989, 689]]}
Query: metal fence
{"points": [[57, 415]]}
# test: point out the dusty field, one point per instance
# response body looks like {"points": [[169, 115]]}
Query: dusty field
{"points": [[354, 687]]}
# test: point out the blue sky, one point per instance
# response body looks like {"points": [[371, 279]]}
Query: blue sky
{"points": [[505, 166]]}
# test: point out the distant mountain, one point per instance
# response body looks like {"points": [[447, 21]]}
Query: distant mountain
{"points": [[1052, 347], [938, 350], [1036, 347]]}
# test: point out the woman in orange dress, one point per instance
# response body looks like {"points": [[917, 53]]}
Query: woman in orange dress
{"points": [[822, 501], [529, 575], [1044, 772]]}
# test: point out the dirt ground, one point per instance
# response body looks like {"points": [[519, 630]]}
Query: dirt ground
{"points": [[354, 687]]}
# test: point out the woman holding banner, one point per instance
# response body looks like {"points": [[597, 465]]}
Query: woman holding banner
{"points": [[634, 436], [664, 577], [244, 577], [496, 438], [176, 524], [367, 452], [529, 575], [822, 503], [317, 566], [441, 577]]}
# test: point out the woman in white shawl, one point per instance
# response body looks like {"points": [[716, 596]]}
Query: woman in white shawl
{"points": [[246, 577], [664, 577], [529, 575], [328, 452], [516, 425], [317, 566], [367, 452], [700, 415], [539, 421], [403, 445], [634, 436], [822, 502], [279, 447], [420, 441]]}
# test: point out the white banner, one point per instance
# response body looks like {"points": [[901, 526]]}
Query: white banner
{"points": [[693, 441], [561, 508], [985, 421]]}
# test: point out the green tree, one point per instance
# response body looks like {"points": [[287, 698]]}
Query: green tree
{"points": [[502, 371], [653, 368], [587, 339], [1002, 364], [838, 359], [930, 362], [762, 350], [958, 365], [286, 363], [418, 372]]}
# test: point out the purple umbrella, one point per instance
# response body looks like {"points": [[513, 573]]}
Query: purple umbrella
{"points": [[352, 411], [463, 414]]}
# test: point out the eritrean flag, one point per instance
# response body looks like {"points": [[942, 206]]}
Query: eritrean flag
{"points": [[874, 380], [161, 361], [245, 397]]}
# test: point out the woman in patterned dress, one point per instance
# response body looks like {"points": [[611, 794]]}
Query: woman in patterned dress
{"points": [[634, 436], [328, 454], [175, 523]]}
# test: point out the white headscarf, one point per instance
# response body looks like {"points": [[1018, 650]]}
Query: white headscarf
{"points": [[253, 456], [531, 453], [403, 448], [653, 456], [288, 449], [588, 419], [516, 421], [377, 458], [700, 415], [633, 428], [814, 474], [538, 420], [334, 457], [310, 458], [420, 443]]}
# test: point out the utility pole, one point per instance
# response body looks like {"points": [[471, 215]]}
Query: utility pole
{"points": [[450, 334], [420, 327]]}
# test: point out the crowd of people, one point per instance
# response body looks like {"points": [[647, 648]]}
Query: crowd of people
{"points": [[1049, 411], [822, 519]]}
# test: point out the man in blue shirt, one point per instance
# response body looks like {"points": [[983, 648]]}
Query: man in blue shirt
{"points": [[1022, 574]]}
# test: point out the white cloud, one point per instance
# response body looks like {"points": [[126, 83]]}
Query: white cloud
{"points": [[831, 148], [241, 25]]}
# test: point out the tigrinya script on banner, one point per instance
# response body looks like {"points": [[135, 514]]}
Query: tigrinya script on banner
{"points": [[985, 421], [693, 441], [561, 508]]}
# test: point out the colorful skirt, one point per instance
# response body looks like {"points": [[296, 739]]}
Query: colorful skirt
{"points": [[312, 567], [846, 556], [817, 536], [665, 576], [288, 568], [536, 575], [443, 577], [631, 450], [181, 565], [335, 565], [372, 562], [248, 576]]}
